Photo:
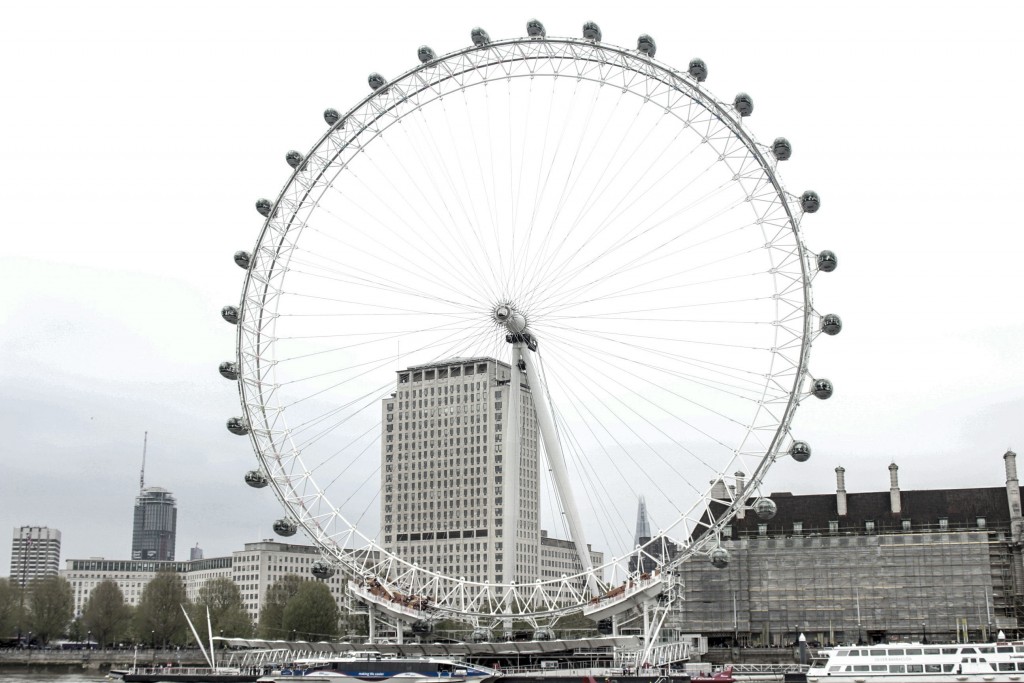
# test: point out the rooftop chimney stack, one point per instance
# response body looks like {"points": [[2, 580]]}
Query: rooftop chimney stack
{"points": [[741, 491], [841, 491], [1013, 497], [894, 490]]}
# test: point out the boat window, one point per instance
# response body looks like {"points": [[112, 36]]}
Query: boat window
{"points": [[985, 649], [915, 668], [1020, 666], [877, 653], [968, 651], [896, 653], [949, 650], [897, 668], [1007, 666], [1004, 649], [914, 651], [862, 667], [1019, 648], [932, 651], [879, 667], [947, 668], [832, 669], [854, 653], [933, 668]]}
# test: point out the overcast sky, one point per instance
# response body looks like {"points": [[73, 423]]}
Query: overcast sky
{"points": [[136, 137]]}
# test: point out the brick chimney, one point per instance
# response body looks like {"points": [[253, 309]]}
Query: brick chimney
{"points": [[841, 491], [894, 490]]}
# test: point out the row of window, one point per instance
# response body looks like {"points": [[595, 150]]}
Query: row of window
{"points": [[833, 526]]}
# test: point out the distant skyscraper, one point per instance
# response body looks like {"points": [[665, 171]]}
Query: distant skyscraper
{"points": [[35, 553], [156, 518], [195, 553], [643, 525]]}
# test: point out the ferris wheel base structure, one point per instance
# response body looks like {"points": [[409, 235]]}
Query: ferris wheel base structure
{"points": [[668, 282]]}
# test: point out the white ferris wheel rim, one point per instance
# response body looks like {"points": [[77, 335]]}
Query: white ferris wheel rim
{"points": [[502, 60]]}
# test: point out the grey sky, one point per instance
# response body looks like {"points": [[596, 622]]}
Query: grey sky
{"points": [[137, 137]]}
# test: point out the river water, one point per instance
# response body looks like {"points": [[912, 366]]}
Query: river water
{"points": [[43, 676]]}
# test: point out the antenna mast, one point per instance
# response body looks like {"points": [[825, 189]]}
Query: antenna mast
{"points": [[142, 472]]}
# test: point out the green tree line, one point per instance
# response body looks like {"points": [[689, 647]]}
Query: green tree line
{"points": [[44, 611]]}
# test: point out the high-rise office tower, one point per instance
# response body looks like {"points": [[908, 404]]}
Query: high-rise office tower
{"points": [[453, 499], [156, 517], [35, 553]]}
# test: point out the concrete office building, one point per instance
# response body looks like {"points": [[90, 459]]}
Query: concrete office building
{"points": [[35, 553], [253, 569], [456, 498]]}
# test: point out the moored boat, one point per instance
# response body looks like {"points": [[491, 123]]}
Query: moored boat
{"points": [[371, 667], [998, 662]]}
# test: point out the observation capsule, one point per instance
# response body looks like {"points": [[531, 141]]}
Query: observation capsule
{"points": [[720, 558], [479, 36], [256, 479], [230, 313], [238, 426], [543, 634], [822, 388], [228, 370], [782, 149], [331, 116], [480, 635], [646, 45], [801, 451], [426, 54], [827, 261], [765, 508], [744, 104], [376, 81], [285, 527], [591, 31], [810, 201], [535, 29], [294, 158], [264, 206], [831, 324], [698, 69], [243, 259], [321, 570]]}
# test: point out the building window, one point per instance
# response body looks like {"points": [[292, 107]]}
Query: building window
{"points": [[727, 531], [762, 529], [833, 526], [906, 525], [943, 523], [798, 528], [869, 527], [981, 522]]}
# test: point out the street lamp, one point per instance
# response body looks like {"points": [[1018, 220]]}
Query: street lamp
{"points": [[88, 641], [924, 636]]}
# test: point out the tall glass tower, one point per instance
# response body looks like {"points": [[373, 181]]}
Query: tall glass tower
{"points": [[156, 517]]}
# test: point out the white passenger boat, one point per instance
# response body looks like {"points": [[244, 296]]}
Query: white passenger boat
{"points": [[372, 667], [999, 662]]}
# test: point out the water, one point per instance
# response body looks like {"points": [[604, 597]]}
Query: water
{"points": [[43, 676]]}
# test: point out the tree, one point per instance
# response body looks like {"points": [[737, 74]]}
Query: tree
{"points": [[106, 613], [227, 614], [10, 608], [312, 613], [51, 606], [272, 616], [158, 618]]}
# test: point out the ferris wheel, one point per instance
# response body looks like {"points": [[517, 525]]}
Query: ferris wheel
{"points": [[508, 296]]}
